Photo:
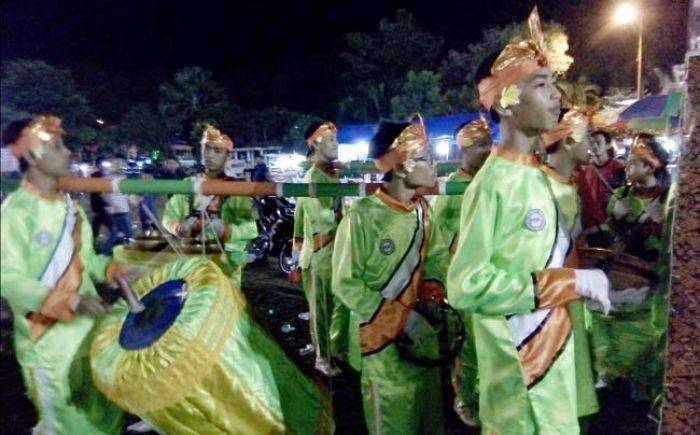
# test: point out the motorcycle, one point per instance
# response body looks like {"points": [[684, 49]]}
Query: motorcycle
{"points": [[275, 228]]}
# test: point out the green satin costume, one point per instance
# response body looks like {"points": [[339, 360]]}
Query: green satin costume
{"points": [[213, 371], [446, 209], [318, 218], [398, 396], [238, 215], [508, 230], [566, 193], [55, 366]]}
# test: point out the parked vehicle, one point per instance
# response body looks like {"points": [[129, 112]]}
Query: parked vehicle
{"points": [[276, 229]]}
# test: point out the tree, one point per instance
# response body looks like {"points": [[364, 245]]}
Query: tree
{"points": [[420, 92], [376, 64], [33, 87], [142, 126], [192, 97]]}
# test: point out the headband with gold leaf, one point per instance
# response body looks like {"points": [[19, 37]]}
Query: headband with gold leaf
{"points": [[42, 129], [519, 59], [212, 135], [320, 131], [411, 141], [573, 124], [641, 149], [473, 133]]}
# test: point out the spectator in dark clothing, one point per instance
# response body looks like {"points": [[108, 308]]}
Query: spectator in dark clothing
{"points": [[98, 205], [260, 171], [147, 201]]}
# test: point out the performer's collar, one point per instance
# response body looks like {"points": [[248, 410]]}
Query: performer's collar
{"points": [[29, 187], [327, 167], [528, 159], [465, 174], [393, 203], [647, 192], [552, 173]]}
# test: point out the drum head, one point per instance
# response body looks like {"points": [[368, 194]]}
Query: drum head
{"points": [[163, 305]]}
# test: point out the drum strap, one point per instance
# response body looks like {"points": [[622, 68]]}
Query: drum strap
{"points": [[62, 274]]}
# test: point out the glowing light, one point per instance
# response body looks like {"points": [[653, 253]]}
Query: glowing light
{"points": [[442, 146], [625, 13], [355, 151], [100, 121]]}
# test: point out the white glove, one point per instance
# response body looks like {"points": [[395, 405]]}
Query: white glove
{"points": [[593, 284], [295, 256], [620, 209], [631, 296]]}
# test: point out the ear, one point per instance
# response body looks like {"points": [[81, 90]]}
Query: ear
{"points": [[500, 110], [29, 157]]}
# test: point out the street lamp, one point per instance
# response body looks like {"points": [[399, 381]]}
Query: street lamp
{"points": [[627, 13]]}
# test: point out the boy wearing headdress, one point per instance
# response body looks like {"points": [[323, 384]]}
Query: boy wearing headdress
{"points": [[315, 224], [473, 141], [47, 268], [517, 287], [385, 249], [567, 146], [230, 219]]}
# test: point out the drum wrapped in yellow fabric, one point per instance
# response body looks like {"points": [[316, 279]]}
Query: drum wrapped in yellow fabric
{"points": [[195, 362]]}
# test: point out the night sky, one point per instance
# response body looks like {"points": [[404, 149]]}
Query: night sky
{"points": [[278, 53]]}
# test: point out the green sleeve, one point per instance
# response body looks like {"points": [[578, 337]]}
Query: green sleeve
{"points": [[611, 205], [176, 210], [350, 255], [95, 264], [474, 282], [238, 215], [299, 219], [22, 290], [438, 255]]}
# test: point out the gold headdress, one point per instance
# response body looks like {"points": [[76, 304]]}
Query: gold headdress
{"points": [[520, 58], [212, 135], [42, 129], [316, 135], [410, 141], [473, 132], [641, 149], [573, 124]]}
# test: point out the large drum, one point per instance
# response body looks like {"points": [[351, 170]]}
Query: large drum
{"points": [[624, 271], [194, 362]]}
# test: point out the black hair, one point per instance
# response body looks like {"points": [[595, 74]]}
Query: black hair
{"points": [[311, 129], [660, 152], [384, 137], [483, 71], [459, 127], [605, 134], [12, 133]]}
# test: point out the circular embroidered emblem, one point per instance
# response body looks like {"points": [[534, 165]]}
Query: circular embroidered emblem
{"points": [[535, 220], [43, 238], [387, 247]]}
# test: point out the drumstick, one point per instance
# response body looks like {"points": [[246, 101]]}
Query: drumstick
{"points": [[605, 182], [135, 305], [166, 235]]}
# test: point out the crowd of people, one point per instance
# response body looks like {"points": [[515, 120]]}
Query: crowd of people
{"points": [[542, 325]]}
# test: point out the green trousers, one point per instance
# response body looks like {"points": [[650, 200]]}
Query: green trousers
{"points": [[399, 397], [465, 381]]}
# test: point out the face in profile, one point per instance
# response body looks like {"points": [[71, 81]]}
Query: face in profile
{"points": [[214, 158], [599, 150], [422, 170], [475, 155], [326, 145], [54, 159], [580, 151], [540, 103]]}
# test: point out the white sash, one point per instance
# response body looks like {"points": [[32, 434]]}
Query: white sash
{"points": [[402, 275], [63, 252], [522, 326]]}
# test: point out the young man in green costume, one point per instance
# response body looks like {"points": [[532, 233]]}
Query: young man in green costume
{"points": [[517, 288], [568, 147], [47, 268], [230, 219], [315, 224], [385, 248], [473, 142]]}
